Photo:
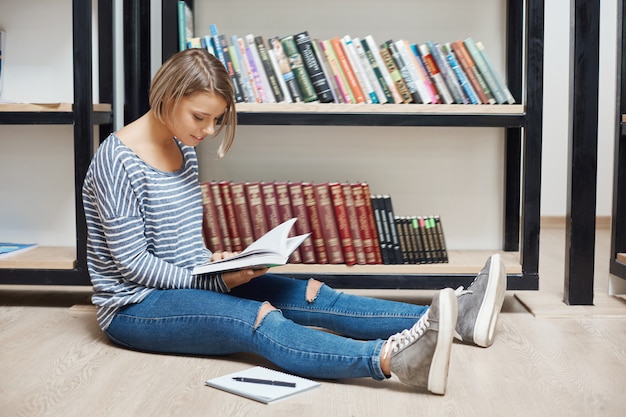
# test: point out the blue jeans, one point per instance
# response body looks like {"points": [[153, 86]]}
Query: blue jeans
{"points": [[200, 322]]}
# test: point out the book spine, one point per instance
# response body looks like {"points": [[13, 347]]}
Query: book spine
{"points": [[364, 216], [317, 232], [329, 223], [269, 69], [435, 74], [393, 230], [338, 201], [313, 67], [259, 72], [207, 43], [231, 217], [471, 71], [257, 210], [240, 204], [303, 225], [505, 89], [359, 71], [367, 194], [330, 79], [281, 79], [383, 232], [402, 237], [484, 70], [380, 79], [417, 73], [342, 83], [373, 46], [446, 72], [404, 70], [221, 215], [243, 70], [442, 239], [394, 72], [228, 63], [182, 36], [210, 226], [353, 224], [250, 71], [285, 69], [270, 203], [347, 70], [464, 82], [297, 67], [285, 212]]}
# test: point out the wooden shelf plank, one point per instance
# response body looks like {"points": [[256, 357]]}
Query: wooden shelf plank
{"points": [[408, 109], [43, 257], [47, 107], [621, 257]]}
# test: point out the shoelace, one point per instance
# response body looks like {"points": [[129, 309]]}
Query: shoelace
{"points": [[462, 291], [403, 339]]}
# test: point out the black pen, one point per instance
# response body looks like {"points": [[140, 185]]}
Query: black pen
{"points": [[265, 381]]}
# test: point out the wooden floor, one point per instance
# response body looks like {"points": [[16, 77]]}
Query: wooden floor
{"points": [[549, 359]]}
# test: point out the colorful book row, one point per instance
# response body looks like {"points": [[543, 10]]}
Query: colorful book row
{"points": [[347, 224], [298, 68]]}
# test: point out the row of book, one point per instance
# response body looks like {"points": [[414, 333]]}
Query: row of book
{"points": [[299, 68], [347, 224]]}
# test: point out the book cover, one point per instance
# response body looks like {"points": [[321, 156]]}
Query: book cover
{"points": [[395, 74], [285, 212], [328, 221], [499, 79], [308, 192], [303, 225], [385, 93], [10, 249], [231, 217], [359, 71], [435, 74], [405, 72], [271, 249], [353, 224], [210, 225], [296, 64], [364, 215], [447, 73], [269, 69], [313, 67], [478, 83], [347, 70], [341, 215], [464, 82], [374, 49], [221, 214], [285, 69], [240, 204], [262, 384], [342, 83], [263, 84], [256, 208], [485, 71]]}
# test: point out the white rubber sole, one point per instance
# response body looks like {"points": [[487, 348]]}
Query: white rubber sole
{"points": [[448, 313], [487, 318]]}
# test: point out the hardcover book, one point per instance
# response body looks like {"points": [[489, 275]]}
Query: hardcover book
{"points": [[464, 82], [485, 71], [210, 224], [269, 69], [221, 214], [341, 215], [472, 72], [342, 83], [321, 255], [313, 67], [359, 71], [405, 73], [231, 217], [347, 70], [296, 64], [396, 76], [240, 204], [328, 222], [285, 70], [256, 207], [303, 225], [373, 47]]}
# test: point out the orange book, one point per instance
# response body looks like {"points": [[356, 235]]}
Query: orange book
{"points": [[285, 213], [231, 217], [210, 225], [240, 203], [341, 215], [303, 225], [346, 68], [308, 192]]}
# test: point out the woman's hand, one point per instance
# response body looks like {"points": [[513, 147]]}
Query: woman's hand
{"points": [[235, 278], [218, 256]]}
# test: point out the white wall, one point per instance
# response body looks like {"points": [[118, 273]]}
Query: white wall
{"points": [[451, 171]]}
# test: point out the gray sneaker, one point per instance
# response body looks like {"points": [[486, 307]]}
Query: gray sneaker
{"points": [[480, 304], [420, 356]]}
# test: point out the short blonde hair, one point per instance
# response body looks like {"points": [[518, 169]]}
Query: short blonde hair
{"points": [[189, 72]]}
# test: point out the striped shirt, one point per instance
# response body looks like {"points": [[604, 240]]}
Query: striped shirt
{"points": [[144, 228]]}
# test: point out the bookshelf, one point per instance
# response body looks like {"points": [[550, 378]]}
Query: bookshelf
{"points": [[522, 124], [47, 265], [617, 261]]}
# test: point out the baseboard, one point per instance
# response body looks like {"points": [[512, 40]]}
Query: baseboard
{"points": [[602, 222]]}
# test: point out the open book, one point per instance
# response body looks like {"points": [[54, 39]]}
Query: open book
{"points": [[271, 249], [262, 384]]}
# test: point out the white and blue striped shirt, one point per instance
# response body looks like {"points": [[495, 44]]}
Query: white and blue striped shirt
{"points": [[144, 228]]}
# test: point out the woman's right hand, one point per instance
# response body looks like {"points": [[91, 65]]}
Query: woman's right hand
{"points": [[235, 278]]}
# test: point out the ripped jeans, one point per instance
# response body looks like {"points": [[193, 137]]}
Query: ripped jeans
{"points": [[199, 322]]}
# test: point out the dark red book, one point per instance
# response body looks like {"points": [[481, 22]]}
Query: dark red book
{"points": [[367, 224], [221, 214], [321, 255], [270, 203], [240, 203], [285, 213], [256, 208], [231, 217], [210, 225], [341, 215], [328, 221], [353, 223], [303, 225]]}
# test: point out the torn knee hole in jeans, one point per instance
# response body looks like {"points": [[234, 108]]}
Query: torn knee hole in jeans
{"points": [[264, 310], [313, 289]]}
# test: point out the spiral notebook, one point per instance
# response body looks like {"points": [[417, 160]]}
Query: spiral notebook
{"points": [[262, 384]]}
